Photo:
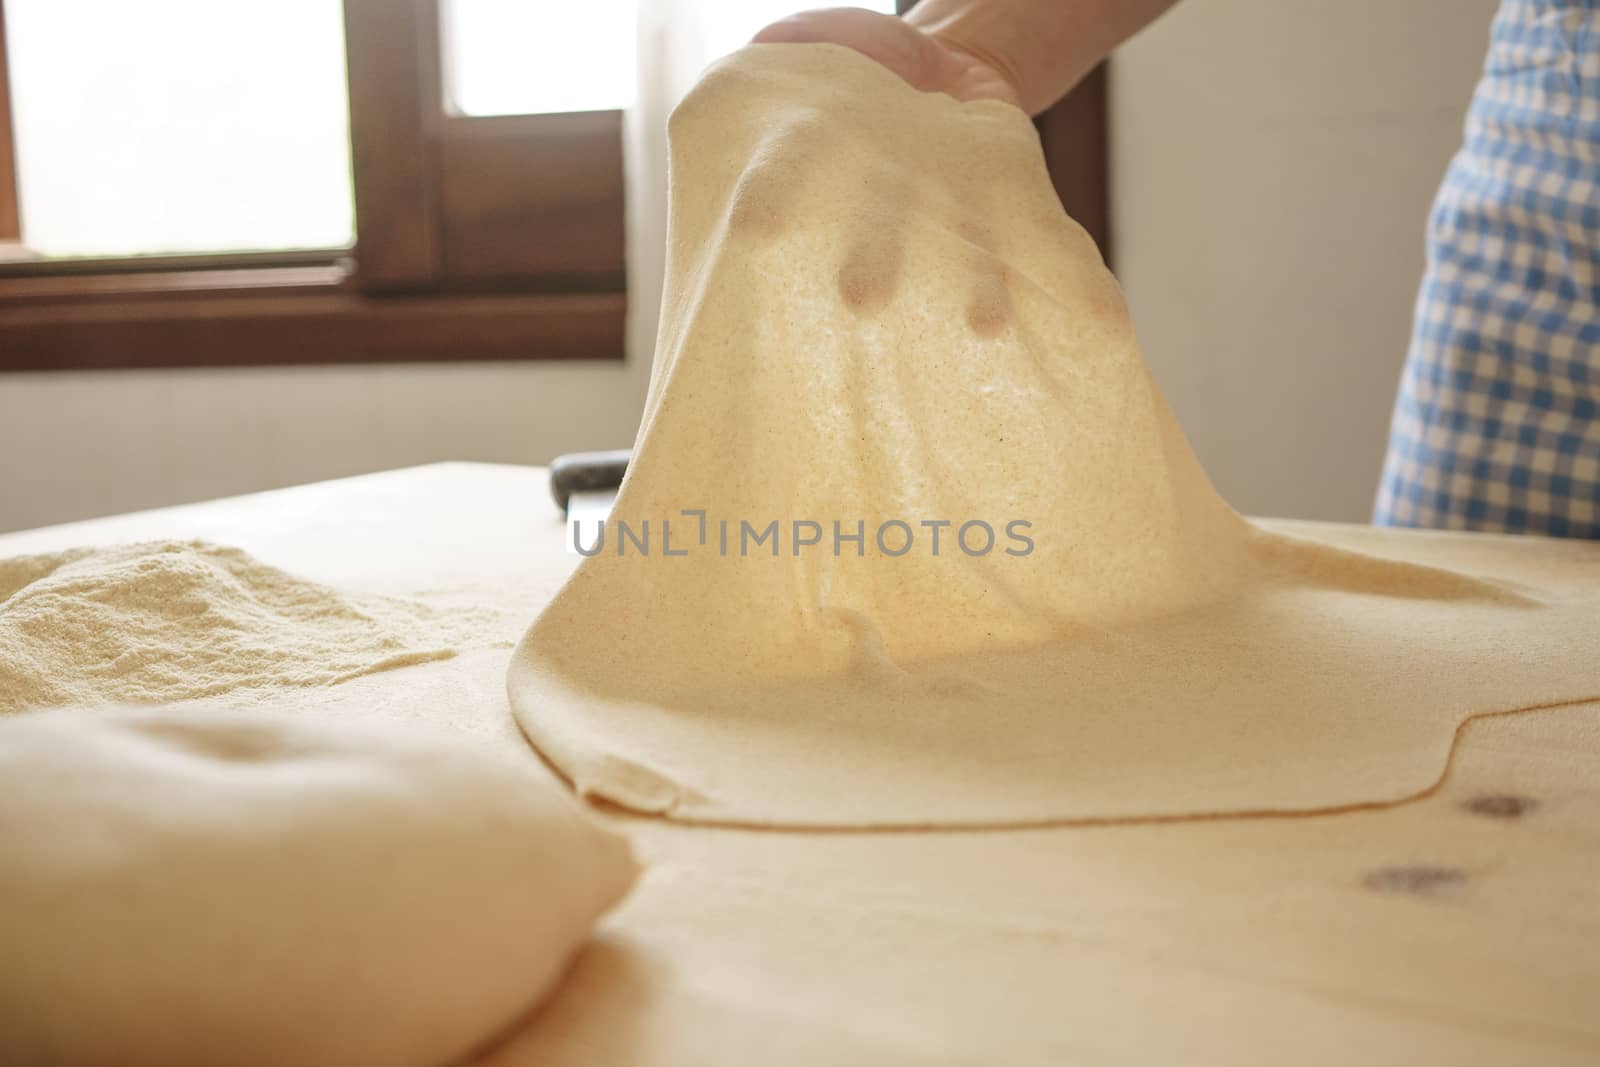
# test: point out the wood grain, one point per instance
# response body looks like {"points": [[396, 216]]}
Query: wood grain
{"points": [[1458, 928], [160, 265], [1075, 135], [477, 239], [295, 324], [535, 198], [10, 213], [65, 291], [392, 48]]}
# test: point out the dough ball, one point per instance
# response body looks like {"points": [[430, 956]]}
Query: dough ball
{"points": [[212, 887]]}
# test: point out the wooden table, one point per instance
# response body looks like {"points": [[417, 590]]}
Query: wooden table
{"points": [[1459, 928]]}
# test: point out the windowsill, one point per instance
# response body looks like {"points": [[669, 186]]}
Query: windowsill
{"points": [[199, 313], [17, 260]]}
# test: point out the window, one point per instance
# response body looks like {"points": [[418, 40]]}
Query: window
{"points": [[476, 237], [118, 155], [398, 184], [501, 59]]}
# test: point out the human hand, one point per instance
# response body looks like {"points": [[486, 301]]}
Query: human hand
{"points": [[959, 200], [923, 59]]}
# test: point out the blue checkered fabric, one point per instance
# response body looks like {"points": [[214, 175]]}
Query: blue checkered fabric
{"points": [[1497, 424]]}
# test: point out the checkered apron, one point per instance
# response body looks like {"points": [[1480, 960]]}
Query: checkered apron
{"points": [[1497, 423]]}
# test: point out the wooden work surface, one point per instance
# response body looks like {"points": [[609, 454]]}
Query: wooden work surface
{"points": [[1462, 927]]}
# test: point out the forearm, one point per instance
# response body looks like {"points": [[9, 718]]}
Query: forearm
{"points": [[1043, 46]]}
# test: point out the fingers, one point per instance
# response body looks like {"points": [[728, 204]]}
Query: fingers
{"points": [[888, 40], [873, 267], [988, 305], [762, 193], [781, 188], [764, 198], [875, 259]]}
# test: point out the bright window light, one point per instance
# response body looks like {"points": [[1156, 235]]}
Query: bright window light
{"points": [[525, 57], [164, 126]]}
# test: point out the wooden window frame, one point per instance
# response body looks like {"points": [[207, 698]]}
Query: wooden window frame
{"points": [[1075, 136], [477, 239], [10, 217]]}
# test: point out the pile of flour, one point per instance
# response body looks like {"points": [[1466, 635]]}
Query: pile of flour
{"points": [[169, 620]]}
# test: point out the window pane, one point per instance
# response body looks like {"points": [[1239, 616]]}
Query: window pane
{"points": [[529, 57], [525, 57], [180, 125]]}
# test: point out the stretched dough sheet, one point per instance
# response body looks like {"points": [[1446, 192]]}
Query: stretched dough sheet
{"points": [[882, 337]]}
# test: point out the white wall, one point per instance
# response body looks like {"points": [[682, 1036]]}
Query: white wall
{"points": [[1273, 165], [74, 445]]}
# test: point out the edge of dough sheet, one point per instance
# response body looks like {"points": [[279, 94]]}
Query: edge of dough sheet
{"points": [[877, 311]]}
